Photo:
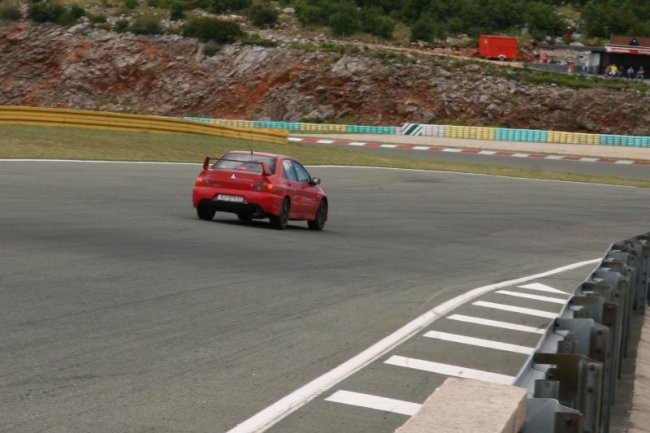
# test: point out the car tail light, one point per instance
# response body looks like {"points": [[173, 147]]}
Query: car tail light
{"points": [[264, 185], [202, 180]]}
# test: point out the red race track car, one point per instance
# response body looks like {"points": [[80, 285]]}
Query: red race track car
{"points": [[257, 185]]}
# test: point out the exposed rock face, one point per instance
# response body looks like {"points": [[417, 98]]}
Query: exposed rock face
{"points": [[48, 65]]}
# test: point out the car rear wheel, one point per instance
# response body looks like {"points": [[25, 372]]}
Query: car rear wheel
{"points": [[205, 213], [280, 222], [321, 217]]}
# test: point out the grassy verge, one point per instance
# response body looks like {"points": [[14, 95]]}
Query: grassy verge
{"points": [[75, 143]]}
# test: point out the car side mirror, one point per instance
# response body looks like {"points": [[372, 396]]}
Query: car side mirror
{"points": [[266, 171], [315, 180]]}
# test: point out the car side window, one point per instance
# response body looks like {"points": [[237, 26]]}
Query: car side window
{"points": [[301, 172], [288, 171]]}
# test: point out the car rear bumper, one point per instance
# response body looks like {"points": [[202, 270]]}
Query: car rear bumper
{"points": [[256, 204]]}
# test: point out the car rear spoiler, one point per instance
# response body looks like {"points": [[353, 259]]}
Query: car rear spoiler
{"points": [[266, 171]]}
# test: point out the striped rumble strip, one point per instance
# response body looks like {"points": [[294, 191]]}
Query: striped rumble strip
{"points": [[470, 151]]}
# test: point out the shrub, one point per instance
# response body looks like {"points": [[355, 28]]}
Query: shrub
{"points": [[309, 14], [77, 11], [71, 15], [177, 10], [262, 15], [146, 24], [130, 4], [122, 26], [46, 12], [213, 29], [222, 6], [375, 23], [255, 39], [343, 24], [97, 19], [9, 10], [422, 30]]}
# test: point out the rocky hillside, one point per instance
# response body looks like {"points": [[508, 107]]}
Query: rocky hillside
{"points": [[48, 65]]}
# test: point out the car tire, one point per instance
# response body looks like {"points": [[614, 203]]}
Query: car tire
{"points": [[205, 213], [281, 221], [321, 217]]}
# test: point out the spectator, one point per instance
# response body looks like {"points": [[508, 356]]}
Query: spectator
{"points": [[640, 73], [631, 72], [613, 70]]}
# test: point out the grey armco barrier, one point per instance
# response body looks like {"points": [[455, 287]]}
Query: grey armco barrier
{"points": [[569, 382], [573, 376]]}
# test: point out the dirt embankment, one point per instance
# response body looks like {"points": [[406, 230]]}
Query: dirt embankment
{"points": [[48, 65]]}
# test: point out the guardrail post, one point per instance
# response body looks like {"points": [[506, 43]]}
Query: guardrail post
{"points": [[601, 303], [581, 380], [593, 340], [614, 272], [545, 388], [547, 415]]}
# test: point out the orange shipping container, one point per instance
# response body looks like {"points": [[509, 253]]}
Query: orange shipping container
{"points": [[498, 47]]}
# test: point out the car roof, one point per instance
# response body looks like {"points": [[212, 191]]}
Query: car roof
{"points": [[272, 155]]}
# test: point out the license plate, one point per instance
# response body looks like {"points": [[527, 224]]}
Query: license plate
{"points": [[230, 198]]}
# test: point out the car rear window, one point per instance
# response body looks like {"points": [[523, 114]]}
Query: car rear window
{"points": [[245, 162]]}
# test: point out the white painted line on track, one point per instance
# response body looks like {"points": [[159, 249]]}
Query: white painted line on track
{"points": [[421, 148], [374, 402], [520, 155], [480, 342], [450, 370], [496, 323], [389, 146], [585, 159], [354, 143], [290, 403], [325, 141], [542, 288], [533, 297], [488, 152], [452, 150], [556, 157], [512, 308]]}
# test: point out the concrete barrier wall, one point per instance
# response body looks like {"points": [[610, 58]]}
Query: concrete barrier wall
{"points": [[133, 122]]}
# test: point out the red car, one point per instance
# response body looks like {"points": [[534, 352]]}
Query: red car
{"points": [[257, 185]]}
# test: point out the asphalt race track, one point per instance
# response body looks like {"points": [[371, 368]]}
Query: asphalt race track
{"points": [[122, 312]]}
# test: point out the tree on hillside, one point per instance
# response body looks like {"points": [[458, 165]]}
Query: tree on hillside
{"points": [[543, 21], [376, 23], [604, 18]]}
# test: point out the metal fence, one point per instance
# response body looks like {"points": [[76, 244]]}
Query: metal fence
{"points": [[573, 376]]}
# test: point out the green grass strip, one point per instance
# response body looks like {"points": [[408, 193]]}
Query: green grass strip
{"points": [[40, 142]]}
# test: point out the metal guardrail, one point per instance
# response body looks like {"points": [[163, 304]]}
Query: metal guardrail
{"points": [[573, 376], [132, 122]]}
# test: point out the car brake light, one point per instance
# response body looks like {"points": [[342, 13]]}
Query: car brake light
{"points": [[264, 185], [202, 180]]}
